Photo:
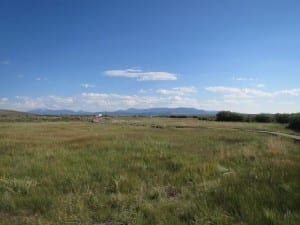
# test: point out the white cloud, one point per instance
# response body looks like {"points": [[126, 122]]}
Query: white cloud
{"points": [[51, 102], [27, 103], [293, 92], [260, 85], [3, 100], [41, 79], [248, 93], [86, 85], [248, 100], [5, 62], [141, 75], [177, 91], [116, 101], [232, 92], [244, 78], [94, 101]]}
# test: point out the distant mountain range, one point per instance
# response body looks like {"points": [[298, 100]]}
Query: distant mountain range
{"points": [[130, 112]]}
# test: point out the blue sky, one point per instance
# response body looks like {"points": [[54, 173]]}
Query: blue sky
{"points": [[238, 55]]}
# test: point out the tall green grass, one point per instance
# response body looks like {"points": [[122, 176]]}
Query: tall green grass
{"points": [[130, 172]]}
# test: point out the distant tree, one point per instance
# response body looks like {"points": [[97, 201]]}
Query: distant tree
{"points": [[282, 118], [294, 122], [263, 118], [229, 116], [178, 116], [250, 118]]}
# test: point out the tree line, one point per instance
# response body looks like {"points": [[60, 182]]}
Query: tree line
{"points": [[292, 120]]}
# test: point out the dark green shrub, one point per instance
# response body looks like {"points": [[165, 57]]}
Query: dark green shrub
{"points": [[294, 122], [178, 116], [282, 118], [263, 118], [250, 118], [229, 116]]}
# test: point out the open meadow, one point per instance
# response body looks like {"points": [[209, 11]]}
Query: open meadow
{"points": [[128, 170]]}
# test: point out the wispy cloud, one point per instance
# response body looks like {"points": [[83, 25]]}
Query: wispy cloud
{"points": [[244, 78], [117, 101], [95, 101], [41, 79], [141, 75], [142, 91], [260, 85], [86, 85], [5, 62], [51, 102], [293, 92], [20, 76], [3, 100], [177, 91], [240, 93], [248, 93], [250, 101]]}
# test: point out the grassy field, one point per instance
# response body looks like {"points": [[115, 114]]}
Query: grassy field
{"points": [[147, 171]]}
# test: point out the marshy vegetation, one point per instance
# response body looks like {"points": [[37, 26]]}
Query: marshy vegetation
{"points": [[147, 171]]}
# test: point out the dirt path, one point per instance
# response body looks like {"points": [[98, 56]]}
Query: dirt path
{"points": [[295, 137]]}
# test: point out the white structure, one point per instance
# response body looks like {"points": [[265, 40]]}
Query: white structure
{"points": [[97, 118]]}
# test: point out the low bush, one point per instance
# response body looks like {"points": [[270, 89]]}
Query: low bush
{"points": [[263, 118], [229, 116], [294, 122], [282, 118]]}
